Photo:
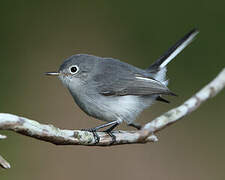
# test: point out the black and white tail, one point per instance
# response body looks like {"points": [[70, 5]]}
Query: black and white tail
{"points": [[159, 66], [172, 52]]}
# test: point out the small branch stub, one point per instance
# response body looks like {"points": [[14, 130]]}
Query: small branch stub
{"points": [[3, 136], [3, 163]]}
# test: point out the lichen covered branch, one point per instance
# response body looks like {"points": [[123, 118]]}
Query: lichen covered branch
{"points": [[58, 136]]}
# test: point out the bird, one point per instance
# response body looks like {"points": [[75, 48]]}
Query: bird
{"points": [[114, 91]]}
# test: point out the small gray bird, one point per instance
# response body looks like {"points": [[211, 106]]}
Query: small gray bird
{"points": [[114, 91]]}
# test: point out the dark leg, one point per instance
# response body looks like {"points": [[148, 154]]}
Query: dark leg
{"points": [[96, 136], [93, 130], [101, 126], [138, 126], [109, 132]]}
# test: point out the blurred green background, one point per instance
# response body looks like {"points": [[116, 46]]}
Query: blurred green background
{"points": [[37, 35]]}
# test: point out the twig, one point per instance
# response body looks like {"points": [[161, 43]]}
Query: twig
{"points": [[3, 163], [58, 136], [3, 136]]}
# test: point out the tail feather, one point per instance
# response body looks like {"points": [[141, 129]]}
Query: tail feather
{"points": [[163, 60]]}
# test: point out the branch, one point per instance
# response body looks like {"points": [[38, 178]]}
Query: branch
{"points": [[52, 134], [3, 163], [170, 117]]}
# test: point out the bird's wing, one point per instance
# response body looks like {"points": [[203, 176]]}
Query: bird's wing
{"points": [[133, 86], [113, 79]]}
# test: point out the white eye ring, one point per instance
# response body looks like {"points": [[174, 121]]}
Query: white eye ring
{"points": [[73, 69]]}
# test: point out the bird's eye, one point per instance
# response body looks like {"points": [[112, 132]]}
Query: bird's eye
{"points": [[73, 69]]}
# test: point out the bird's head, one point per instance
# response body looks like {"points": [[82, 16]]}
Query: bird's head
{"points": [[76, 69]]}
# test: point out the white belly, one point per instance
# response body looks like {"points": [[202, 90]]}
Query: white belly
{"points": [[124, 108]]}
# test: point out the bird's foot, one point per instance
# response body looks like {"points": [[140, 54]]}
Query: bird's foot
{"points": [[94, 131], [111, 135]]}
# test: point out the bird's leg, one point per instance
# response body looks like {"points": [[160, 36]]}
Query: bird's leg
{"points": [[101, 126], [96, 136], [109, 132], [135, 125], [95, 129]]}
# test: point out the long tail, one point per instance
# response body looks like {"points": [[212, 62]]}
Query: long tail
{"points": [[171, 53]]}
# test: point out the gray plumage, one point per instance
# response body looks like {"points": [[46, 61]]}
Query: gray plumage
{"points": [[114, 91], [110, 90]]}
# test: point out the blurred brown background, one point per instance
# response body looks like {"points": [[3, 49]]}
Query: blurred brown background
{"points": [[37, 35]]}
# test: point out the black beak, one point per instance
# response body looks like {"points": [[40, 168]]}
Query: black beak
{"points": [[52, 73]]}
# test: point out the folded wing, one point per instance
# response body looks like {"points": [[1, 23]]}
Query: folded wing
{"points": [[136, 85], [115, 78]]}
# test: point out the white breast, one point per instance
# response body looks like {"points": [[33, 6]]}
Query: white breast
{"points": [[127, 108]]}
